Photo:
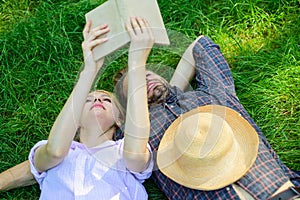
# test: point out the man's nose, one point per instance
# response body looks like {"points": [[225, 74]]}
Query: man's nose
{"points": [[148, 76]]}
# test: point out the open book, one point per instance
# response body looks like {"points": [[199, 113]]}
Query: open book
{"points": [[116, 13]]}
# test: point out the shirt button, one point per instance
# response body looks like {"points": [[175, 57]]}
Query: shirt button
{"points": [[172, 106], [228, 189]]}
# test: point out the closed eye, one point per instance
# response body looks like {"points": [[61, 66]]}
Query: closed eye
{"points": [[106, 99]]}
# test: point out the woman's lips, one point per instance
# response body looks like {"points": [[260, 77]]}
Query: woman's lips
{"points": [[98, 105]]}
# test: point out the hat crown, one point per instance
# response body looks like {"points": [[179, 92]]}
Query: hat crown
{"points": [[201, 140]]}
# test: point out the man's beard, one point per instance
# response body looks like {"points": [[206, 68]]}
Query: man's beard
{"points": [[159, 94]]}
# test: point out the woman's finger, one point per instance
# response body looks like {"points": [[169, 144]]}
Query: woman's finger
{"points": [[101, 27], [135, 25], [97, 32], [142, 24], [96, 42], [130, 29], [148, 29], [86, 29]]}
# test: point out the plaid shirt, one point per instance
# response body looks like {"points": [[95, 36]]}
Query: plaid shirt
{"points": [[215, 85]]}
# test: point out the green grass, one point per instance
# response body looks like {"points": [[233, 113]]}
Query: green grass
{"points": [[40, 46]]}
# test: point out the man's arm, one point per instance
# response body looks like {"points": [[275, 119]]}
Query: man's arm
{"points": [[185, 69], [17, 176]]}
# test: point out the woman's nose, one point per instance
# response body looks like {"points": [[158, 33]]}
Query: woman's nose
{"points": [[97, 99]]}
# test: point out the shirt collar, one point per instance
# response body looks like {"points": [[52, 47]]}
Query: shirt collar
{"points": [[173, 93]]}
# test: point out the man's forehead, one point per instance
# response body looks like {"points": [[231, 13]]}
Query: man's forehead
{"points": [[149, 71]]}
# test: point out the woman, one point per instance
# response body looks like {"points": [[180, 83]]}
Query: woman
{"points": [[99, 167]]}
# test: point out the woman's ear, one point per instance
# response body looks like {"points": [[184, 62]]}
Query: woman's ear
{"points": [[119, 122]]}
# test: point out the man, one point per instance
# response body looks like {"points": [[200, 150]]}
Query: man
{"points": [[266, 178]]}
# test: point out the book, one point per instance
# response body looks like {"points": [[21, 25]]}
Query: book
{"points": [[116, 13]]}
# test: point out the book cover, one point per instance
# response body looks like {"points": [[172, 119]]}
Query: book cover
{"points": [[116, 13]]}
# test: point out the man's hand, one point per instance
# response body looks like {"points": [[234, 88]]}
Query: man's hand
{"points": [[17, 176]]}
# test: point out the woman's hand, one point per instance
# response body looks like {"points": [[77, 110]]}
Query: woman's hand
{"points": [[142, 39], [91, 40]]}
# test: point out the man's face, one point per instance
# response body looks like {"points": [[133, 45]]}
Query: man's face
{"points": [[157, 87]]}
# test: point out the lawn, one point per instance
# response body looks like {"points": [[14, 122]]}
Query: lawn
{"points": [[41, 56]]}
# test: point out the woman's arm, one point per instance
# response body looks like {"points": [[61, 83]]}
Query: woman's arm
{"points": [[17, 176], [137, 125], [67, 122]]}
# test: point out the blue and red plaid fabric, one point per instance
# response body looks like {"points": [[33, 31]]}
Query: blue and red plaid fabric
{"points": [[215, 85]]}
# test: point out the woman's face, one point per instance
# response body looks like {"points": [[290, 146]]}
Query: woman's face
{"points": [[99, 110]]}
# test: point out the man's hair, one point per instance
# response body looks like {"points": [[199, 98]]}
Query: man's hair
{"points": [[119, 88]]}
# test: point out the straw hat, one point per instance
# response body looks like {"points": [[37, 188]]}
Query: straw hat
{"points": [[208, 148]]}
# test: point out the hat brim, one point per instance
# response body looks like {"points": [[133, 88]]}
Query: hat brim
{"points": [[222, 173]]}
